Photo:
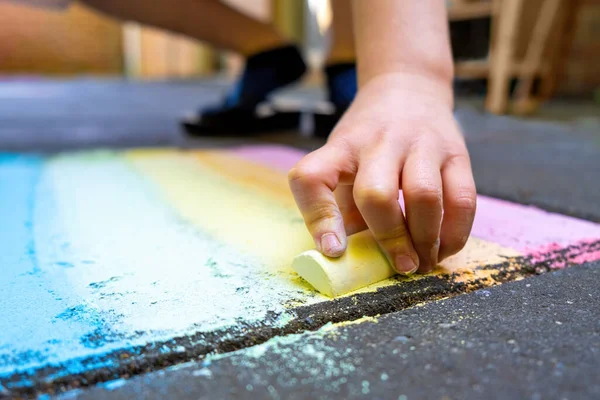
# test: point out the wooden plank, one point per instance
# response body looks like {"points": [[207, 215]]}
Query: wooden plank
{"points": [[475, 69], [166, 55], [480, 69], [562, 49], [502, 55], [77, 41], [535, 51]]}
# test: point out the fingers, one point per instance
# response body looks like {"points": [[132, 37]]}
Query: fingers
{"points": [[460, 200], [353, 220], [339, 196], [422, 189], [376, 190], [312, 182]]}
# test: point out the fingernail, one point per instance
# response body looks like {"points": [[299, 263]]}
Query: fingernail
{"points": [[330, 244], [405, 265]]}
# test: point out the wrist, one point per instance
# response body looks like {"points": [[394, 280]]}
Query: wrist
{"points": [[423, 84]]}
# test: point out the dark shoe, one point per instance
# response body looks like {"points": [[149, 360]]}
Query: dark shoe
{"points": [[241, 123], [240, 114]]}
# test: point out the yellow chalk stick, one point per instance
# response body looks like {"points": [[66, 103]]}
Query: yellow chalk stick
{"points": [[361, 265]]}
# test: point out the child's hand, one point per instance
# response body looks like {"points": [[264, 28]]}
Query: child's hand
{"points": [[399, 133]]}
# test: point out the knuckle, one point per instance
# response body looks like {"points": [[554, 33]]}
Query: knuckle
{"points": [[458, 157], [426, 194], [321, 213], [375, 196], [303, 173], [465, 202]]}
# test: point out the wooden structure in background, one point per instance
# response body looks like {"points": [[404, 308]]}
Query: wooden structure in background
{"points": [[529, 41], [533, 62], [156, 54], [460, 10], [580, 47], [78, 41], [535, 58]]}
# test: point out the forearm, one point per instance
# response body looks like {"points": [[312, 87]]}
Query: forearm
{"points": [[405, 37]]}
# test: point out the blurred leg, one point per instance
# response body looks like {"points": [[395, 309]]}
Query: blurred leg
{"points": [[206, 20]]}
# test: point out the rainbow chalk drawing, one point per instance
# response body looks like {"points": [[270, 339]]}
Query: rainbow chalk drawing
{"points": [[104, 251]]}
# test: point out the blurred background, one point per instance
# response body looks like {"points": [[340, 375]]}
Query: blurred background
{"points": [[516, 53]]}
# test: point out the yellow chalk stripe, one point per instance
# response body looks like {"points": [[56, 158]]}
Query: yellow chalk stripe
{"points": [[248, 220], [250, 174]]}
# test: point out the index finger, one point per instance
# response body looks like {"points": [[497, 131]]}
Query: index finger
{"points": [[312, 182]]}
